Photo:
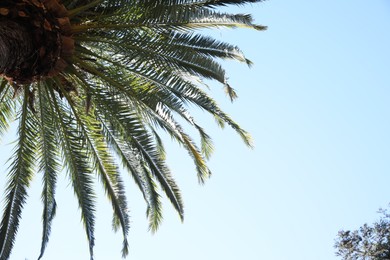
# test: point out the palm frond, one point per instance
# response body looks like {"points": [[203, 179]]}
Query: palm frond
{"points": [[141, 142], [76, 160], [131, 159], [19, 177], [165, 16], [104, 165], [48, 162], [141, 176], [205, 45], [7, 106], [216, 3]]}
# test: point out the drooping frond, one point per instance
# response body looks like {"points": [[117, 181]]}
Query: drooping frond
{"points": [[19, 177], [103, 163], [75, 154], [141, 143], [196, 43], [48, 162], [7, 106], [141, 176], [130, 157]]}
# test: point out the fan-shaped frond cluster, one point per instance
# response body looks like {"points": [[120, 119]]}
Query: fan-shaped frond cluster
{"points": [[100, 79]]}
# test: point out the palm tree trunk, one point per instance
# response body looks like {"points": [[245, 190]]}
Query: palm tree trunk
{"points": [[35, 39], [16, 50]]}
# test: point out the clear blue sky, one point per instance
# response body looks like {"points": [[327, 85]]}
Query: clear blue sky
{"points": [[317, 104]]}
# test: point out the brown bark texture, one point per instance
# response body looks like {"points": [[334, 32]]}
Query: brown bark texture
{"points": [[35, 39], [16, 48]]}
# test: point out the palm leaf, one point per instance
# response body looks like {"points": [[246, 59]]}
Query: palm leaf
{"points": [[76, 160], [7, 106], [140, 141], [130, 158], [103, 163], [19, 177], [49, 165]]}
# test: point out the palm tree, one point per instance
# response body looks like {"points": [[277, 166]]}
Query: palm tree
{"points": [[92, 80]]}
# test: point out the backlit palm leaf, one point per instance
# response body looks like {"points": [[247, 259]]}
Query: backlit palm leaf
{"points": [[20, 174], [7, 106], [49, 164]]}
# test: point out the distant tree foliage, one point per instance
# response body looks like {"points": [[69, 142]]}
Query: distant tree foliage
{"points": [[369, 242]]}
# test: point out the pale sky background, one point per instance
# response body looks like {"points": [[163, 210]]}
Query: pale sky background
{"points": [[317, 104]]}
